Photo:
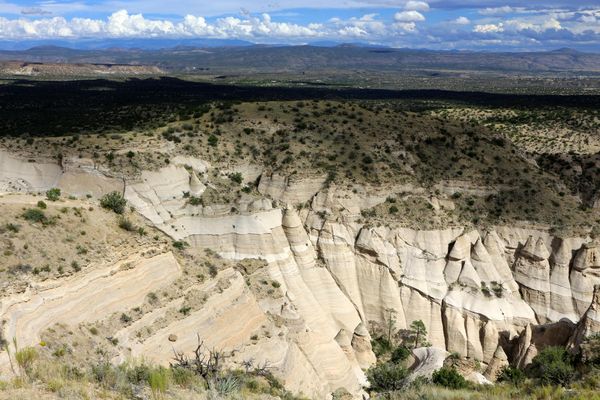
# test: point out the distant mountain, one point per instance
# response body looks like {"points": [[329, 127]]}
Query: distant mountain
{"points": [[146, 44], [239, 57]]}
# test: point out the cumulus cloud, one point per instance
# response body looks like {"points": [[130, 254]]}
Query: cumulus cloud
{"points": [[416, 6], [407, 27], [362, 27], [462, 21], [121, 24], [533, 25], [409, 16], [489, 28]]}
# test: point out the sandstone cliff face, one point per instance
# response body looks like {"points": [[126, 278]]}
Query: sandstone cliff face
{"points": [[474, 290], [481, 294]]}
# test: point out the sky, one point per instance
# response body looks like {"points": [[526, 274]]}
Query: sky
{"points": [[433, 24]]}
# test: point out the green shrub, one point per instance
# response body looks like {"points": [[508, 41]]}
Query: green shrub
{"points": [[42, 205], [34, 215], [213, 140], [180, 244], [75, 265], [553, 365], [195, 201], [236, 177], [14, 228], [387, 377], [182, 376], [381, 346], [53, 194], [185, 310], [449, 378], [114, 201], [512, 375], [400, 354], [225, 385]]}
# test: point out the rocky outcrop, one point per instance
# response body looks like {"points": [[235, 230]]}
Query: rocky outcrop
{"points": [[75, 176], [290, 189], [537, 337], [427, 361], [496, 364], [585, 274], [589, 323]]}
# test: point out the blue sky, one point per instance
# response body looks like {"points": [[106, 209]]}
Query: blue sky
{"points": [[437, 24]]}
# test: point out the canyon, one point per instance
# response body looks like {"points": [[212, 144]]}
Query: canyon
{"points": [[495, 294]]}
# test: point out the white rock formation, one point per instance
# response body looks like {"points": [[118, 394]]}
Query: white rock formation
{"points": [[475, 291]]}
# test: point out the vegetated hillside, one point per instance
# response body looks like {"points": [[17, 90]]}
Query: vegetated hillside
{"points": [[16, 68], [303, 58], [381, 143], [39, 108]]}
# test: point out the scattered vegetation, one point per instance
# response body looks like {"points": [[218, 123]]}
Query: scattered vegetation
{"points": [[114, 201]]}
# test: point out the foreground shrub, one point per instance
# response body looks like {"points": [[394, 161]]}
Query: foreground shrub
{"points": [[225, 385], [512, 375], [158, 380], [114, 201], [449, 378], [25, 358], [387, 377], [553, 365]]}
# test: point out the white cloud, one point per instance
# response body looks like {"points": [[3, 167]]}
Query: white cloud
{"points": [[352, 31], [409, 16], [497, 10], [367, 25], [489, 28], [121, 24], [413, 5], [462, 21], [539, 24], [405, 26]]}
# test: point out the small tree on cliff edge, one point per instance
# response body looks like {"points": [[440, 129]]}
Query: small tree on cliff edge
{"points": [[419, 331], [390, 322]]}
